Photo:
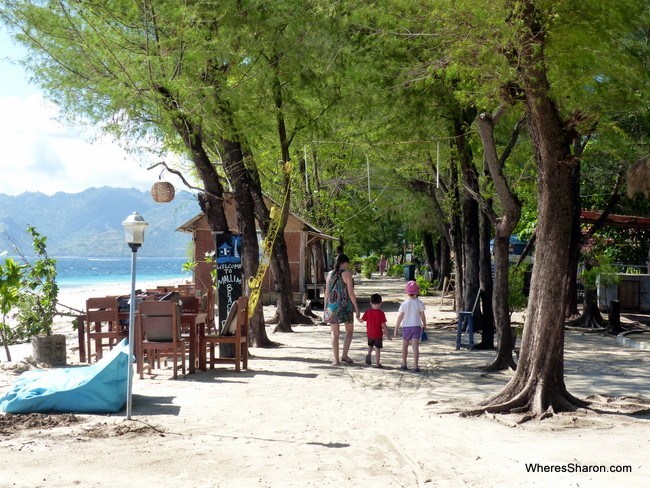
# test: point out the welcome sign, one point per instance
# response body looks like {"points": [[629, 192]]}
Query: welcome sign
{"points": [[229, 272]]}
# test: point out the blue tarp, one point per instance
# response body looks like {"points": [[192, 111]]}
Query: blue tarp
{"points": [[99, 388]]}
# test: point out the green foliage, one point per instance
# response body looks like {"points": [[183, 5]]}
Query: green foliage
{"points": [[355, 264], [517, 300], [424, 285], [369, 265], [36, 306], [396, 271], [600, 269], [190, 265], [11, 276]]}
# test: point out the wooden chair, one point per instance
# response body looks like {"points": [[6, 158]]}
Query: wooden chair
{"points": [[103, 325], [237, 325], [186, 290], [206, 304], [189, 305], [159, 334]]}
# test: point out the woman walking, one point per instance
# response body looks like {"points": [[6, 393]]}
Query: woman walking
{"points": [[339, 303]]}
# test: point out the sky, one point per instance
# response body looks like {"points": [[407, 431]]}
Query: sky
{"points": [[40, 154]]}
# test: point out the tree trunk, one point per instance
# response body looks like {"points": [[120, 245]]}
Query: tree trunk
{"points": [[537, 386], [445, 261], [591, 317], [286, 310], [571, 309], [504, 225], [501, 308], [470, 247], [577, 241], [456, 233], [470, 216], [429, 251], [233, 164], [487, 327]]}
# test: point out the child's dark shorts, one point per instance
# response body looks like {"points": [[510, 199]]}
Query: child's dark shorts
{"points": [[378, 343]]}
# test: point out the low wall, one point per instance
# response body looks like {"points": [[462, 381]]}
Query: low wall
{"points": [[632, 291]]}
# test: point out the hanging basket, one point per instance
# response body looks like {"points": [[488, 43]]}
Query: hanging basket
{"points": [[162, 191]]}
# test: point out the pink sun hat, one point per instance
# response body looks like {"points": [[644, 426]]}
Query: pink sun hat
{"points": [[412, 288]]}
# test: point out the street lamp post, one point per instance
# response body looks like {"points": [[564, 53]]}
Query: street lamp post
{"points": [[134, 226]]}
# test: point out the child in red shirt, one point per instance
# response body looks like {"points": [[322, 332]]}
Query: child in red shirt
{"points": [[376, 327]]}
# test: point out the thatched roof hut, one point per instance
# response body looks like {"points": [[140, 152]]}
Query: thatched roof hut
{"points": [[638, 178]]}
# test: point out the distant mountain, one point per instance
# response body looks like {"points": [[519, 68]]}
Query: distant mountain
{"points": [[89, 224]]}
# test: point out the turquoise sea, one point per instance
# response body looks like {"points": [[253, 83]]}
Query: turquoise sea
{"points": [[73, 272]]}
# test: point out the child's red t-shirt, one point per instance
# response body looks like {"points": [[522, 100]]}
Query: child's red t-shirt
{"points": [[373, 318]]}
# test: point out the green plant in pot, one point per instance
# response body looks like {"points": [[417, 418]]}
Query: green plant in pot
{"points": [[36, 306]]}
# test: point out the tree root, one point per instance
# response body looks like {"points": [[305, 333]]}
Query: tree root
{"points": [[593, 320], [530, 401], [285, 328], [501, 364], [268, 344], [296, 318]]}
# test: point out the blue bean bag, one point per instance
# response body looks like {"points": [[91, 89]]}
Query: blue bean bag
{"points": [[99, 388]]}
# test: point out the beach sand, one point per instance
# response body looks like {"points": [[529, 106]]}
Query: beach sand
{"points": [[294, 420]]}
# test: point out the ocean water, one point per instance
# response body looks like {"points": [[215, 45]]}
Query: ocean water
{"points": [[80, 272]]}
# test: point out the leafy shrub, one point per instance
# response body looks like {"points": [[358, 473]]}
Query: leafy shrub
{"points": [[424, 285], [517, 299], [369, 265], [599, 270], [39, 297], [396, 271], [355, 264]]}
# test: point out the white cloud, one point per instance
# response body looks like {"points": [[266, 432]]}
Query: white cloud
{"points": [[38, 153]]}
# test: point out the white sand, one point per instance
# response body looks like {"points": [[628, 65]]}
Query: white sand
{"points": [[294, 420]]}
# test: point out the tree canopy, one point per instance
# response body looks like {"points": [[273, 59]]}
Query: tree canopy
{"points": [[367, 116]]}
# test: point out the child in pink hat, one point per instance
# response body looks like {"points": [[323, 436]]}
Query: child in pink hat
{"points": [[411, 317]]}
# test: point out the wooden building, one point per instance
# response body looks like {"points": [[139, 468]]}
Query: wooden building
{"points": [[310, 253]]}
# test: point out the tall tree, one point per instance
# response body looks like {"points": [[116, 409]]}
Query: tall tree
{"points": [[538, 384], [165, 70], [504, 226]]}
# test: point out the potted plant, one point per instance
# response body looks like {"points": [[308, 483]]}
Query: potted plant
{"points": [[36, 305]]}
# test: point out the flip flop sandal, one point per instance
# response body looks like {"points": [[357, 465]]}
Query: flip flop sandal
{"points": [[347, 360]]}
